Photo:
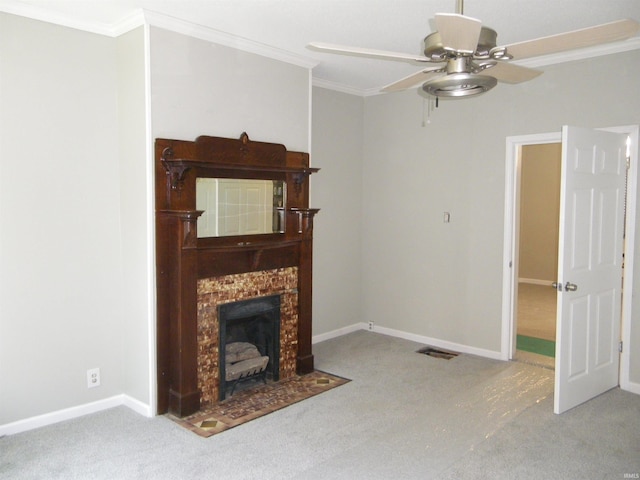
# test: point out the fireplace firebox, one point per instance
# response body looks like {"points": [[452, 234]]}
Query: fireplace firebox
{"points": [[249, 342]]}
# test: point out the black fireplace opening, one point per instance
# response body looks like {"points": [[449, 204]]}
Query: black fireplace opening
{"points": [[249, 342]]}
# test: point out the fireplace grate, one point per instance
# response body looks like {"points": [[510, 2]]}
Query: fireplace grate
{"points": [[434, 352]]}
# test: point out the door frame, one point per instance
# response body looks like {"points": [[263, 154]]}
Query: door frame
{"points": [[511, 242]]}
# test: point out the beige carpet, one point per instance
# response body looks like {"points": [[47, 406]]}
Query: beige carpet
{"points": [[536, 311]]}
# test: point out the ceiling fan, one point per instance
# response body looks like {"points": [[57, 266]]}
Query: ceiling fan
{"points": [[472, 62]]}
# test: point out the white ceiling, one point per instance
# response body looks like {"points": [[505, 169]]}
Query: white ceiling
{"points": [[395, 25]]}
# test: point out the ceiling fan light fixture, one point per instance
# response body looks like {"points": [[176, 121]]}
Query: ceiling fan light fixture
{"points": [[458, 85]]}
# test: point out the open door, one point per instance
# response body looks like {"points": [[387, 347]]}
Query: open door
{"points": [[590, 263]]}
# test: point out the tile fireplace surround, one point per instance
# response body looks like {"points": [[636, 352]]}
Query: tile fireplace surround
{"points": [[213, 292]]}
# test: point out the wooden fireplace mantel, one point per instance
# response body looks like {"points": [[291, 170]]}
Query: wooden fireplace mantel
{"points": [[182, 258]]}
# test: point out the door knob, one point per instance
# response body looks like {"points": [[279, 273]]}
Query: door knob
{"points": [[570, 287], [557, 286]]}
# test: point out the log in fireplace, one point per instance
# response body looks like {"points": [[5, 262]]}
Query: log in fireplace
{"points": [[185, 262]]}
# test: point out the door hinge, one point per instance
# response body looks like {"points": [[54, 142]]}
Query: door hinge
{"points": [[620, 347]]}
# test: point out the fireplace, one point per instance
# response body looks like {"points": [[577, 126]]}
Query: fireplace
{"points": [[249, 341], [196, 274]]}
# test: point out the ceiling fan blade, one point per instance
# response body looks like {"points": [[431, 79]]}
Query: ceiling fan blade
{"points": [[411, 80], [367, 52], [457, 32], [585, 37], [510, 73]]}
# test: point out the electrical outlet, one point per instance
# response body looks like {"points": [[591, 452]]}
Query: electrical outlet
{"points": [[93, 378], [370, 325]]}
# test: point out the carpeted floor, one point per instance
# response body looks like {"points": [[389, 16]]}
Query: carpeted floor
{"points": [[402, 416], [249, 404]]}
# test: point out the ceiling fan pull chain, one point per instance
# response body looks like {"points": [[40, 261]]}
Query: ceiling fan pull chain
{"points": [[428, 105]]}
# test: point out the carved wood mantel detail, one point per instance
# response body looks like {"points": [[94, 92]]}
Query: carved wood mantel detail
{"points": [[182, 258]]}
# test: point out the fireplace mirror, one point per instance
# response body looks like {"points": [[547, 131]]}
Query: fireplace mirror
{"points": [[234, 206]]}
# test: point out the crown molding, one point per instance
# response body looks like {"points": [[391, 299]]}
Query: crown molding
{"points": [[146, 17], [132, 21], [21, 9], [581, 54], [338, 87], [142, 17], [221, 38]]}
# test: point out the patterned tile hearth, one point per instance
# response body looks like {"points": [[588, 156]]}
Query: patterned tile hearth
{"points": [[256, 402]]}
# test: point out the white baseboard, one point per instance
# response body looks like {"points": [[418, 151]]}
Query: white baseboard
{"points": [[434, 342], [535, 281], [74, 412], [631, 387], [137, 406], [339, 332]]}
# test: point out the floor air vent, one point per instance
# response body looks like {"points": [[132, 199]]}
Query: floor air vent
{"points": [[434, 352]]}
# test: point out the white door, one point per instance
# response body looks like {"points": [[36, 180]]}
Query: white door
{"points": [[589, 265]]}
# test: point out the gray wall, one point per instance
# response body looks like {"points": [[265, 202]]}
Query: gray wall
{"points": [[337, 191], [76, 216], [445, 280], [539, 212], [136, 201], [61, 258], [198, 87], [77, 287]]}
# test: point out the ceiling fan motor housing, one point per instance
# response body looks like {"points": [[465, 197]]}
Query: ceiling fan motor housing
{"points": [[435, 50], [459, 85], [462, 78]]}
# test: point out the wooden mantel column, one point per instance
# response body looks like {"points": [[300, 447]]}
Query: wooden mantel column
{"points": [[305, 276], [177, 267]]}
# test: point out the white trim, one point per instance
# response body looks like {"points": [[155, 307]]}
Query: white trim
{"points": [[510, 253], [151, 231], [581, 54], [627, 285], [513, 145], [535, 281], [338, 87], [43, 14], [139, 407], [221, 38], [339, 332], [310, 114], [74, 412], [141, 17], [455, 347], [132, 21], [632, 387], [391, 332]]}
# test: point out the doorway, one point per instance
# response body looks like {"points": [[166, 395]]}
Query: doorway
{"points": [[538, 214], [511, 242]]}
